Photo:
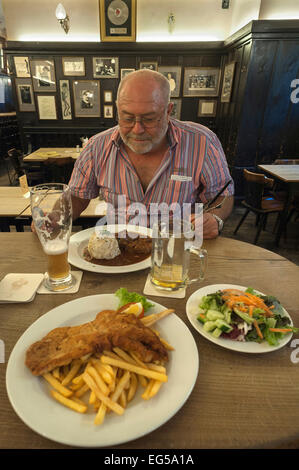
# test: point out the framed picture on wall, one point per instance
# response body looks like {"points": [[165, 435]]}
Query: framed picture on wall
{"points": [[43, 75], [105, 67], [124, 72], [173, 75], [207, 108], [87, 98], [65, 98], [73, 66], [201, 81], [46, 107], [25, 94], [22, 67], [227, 85], [176, 110], [149, 65], [108, 111], [108, 96], [118, 20]]}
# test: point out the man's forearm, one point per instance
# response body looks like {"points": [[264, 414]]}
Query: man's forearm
{"points": [[79, 205], [225, 210]]}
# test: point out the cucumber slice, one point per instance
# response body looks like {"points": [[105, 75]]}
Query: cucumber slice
{"points": [[223, 326], [209, 326], [214, 315], [217, 332]]}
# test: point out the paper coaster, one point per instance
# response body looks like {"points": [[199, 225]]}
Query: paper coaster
{"points": [[149, 289], [19, 287], [77, 276]]}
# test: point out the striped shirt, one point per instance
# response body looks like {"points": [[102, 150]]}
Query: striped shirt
{"points": [[193, 169]]}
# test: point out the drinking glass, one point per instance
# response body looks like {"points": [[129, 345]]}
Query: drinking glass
{"points": [[51, 209], [173, 244]]}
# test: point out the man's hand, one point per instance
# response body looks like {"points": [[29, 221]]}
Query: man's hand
{"points": [[209, 227]]}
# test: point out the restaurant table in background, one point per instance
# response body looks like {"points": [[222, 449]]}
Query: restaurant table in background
{"points": [[43, 154], [239, 400], [288, 174]]}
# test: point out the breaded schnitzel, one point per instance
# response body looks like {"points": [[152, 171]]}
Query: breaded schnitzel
{"points": [[108, 330]]}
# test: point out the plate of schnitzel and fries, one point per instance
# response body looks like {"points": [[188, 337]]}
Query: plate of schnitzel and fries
{"points": [[91, 374]]}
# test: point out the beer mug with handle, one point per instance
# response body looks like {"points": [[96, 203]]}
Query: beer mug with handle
{"points": [[51, 209], [173, 247]]}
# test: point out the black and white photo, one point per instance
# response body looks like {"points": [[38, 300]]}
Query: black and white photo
{"points": [[105, 67]]}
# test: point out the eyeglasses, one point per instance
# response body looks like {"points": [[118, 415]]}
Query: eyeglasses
{"points": [[147, 123]]}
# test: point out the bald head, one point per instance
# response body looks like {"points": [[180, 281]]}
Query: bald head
{"points": [[144, 84]]}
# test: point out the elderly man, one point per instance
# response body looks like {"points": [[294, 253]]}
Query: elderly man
{"points": [[151, 158]]}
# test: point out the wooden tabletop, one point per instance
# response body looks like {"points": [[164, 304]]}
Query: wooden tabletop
{"points": [[12, 201], [286, 173], [43, 154], [239, 400]]}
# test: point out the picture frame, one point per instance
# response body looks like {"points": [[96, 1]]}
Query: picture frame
{"points": [[207, 108], [73, 66], [177, 106], [117, 20], [227, 85], [46, 107], [22, 67], [25, 94], [108, 96], [149, 65], [65, 98], [173, 75], [105, 67], [108, 111], [43, 75], [124, 72], [87, 98], [201, 81]]}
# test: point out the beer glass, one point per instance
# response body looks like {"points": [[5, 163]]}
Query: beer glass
{"points": [[51, 209], [173, 246]]}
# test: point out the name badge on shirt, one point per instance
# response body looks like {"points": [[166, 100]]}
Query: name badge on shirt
{"points": [[181, 178]]}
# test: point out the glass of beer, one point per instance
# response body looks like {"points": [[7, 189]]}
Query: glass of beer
{"points": [[173, 247], [51, 209]]}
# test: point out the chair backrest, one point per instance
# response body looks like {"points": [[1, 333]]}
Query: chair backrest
{"points": [[15, 157], [286, 161], [255, 184]]}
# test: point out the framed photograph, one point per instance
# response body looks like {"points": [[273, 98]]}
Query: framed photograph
{"points": [[25, 94], [176, 110], [124, 72], [207, 108], [108, 111], [46, 107], [227, 85], [149, 65], [87, 98], [201, 81], [118, 20], [22, 67], [173, 75], [65, 98], [108, 96], [43, 75], [105, 67], [73, 66]]}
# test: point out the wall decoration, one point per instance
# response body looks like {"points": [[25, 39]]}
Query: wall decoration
{"points": [[149, 65], [105, 67], [173, 75], [73, 66], [201, 81], [87, 98], [176, 110], [25, 94], [108, 111], [207, 108], [22, 67], [46, 107], [118, 20], [65, 97], [43, 75], [124, 72], [108, 96], [227, 82]]}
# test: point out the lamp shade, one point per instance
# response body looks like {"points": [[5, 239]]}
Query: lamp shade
{"points": [[60, 12]]}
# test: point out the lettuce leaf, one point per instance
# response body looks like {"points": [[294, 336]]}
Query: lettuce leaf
{"points": [[126, 297]]}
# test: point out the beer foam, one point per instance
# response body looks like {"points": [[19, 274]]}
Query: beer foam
{"points": [[55, 247]]}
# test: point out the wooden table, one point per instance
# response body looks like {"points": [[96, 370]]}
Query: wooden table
{"points": [[239, 400], [44, 153], [288, 174]]}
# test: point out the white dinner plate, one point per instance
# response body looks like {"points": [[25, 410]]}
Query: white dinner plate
{"points": [[241, 346], [79, 241], [31, 400]]}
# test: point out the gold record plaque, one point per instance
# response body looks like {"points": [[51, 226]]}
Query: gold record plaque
{"points": [[118, 20]]}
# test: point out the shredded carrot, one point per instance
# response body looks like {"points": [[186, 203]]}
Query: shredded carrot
{"points": [[202, 316], [280, 330], [233, 297], [251, 307], [258, 329]]}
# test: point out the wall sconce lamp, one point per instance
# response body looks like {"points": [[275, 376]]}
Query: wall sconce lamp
{"points": [[62, 17]]}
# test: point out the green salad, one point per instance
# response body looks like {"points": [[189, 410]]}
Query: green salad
{"points": [[244, 316]]}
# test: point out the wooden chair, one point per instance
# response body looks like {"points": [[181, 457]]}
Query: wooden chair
{"points": [[257, 202], [34, 172]]}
